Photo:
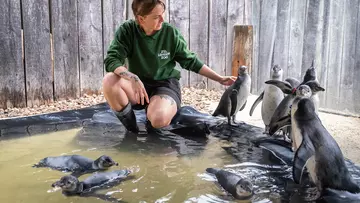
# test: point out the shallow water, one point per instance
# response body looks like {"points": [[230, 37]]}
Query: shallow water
{"points": [[162, 173], [166, 168]]}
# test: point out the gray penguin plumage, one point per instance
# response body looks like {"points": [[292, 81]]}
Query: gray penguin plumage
{"points": [[318, 152], [270, 97], [234, 98]]}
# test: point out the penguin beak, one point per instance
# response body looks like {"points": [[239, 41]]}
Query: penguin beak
{"points": [[116, 164], [57, 184]]}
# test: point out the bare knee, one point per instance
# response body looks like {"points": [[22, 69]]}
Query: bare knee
{"points": [[159, 119], [109, 81]]}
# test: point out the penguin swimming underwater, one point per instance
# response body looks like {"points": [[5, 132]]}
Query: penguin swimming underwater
{"points": [[234, 98]]}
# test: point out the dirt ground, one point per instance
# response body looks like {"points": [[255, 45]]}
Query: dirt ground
{"points": [[346, 130]]}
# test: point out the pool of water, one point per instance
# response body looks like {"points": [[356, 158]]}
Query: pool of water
{"points": [[165, 168]]}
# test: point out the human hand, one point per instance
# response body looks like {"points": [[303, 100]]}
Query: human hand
{"points": [[227, 80], [139, 90]]}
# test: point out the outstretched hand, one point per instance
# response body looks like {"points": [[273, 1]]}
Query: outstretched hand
{"points": [[227, 80]]}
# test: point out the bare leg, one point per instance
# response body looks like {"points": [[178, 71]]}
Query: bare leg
{"points": [[161, 110], [120, 96]]}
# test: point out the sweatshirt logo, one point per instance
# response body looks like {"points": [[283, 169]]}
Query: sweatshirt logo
{"points": [[164, 54]]}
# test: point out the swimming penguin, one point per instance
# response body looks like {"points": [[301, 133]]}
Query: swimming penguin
{"points": [[234, 98], [270, 97], [70, 185], [238, 187], [318, 151], [76, 163]]}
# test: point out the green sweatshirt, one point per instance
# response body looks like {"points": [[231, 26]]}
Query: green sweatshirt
{"points": [[150, 57]]}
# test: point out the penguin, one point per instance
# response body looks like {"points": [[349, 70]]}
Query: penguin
{"points": [[282, 114], [270, 97], [240, 188], [71, 185], [76, 164], [235, 97], [318, 152]]}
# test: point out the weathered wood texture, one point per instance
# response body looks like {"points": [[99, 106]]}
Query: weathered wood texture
{"points": [[242, 48], [179, 17], [199, 36], [12, 80], [38, 70], [113, 14], [90, 46], [326, 31], [289, 33], [217, 40], [65, 49], [268, 32]]}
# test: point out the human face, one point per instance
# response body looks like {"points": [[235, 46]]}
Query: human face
{"points": [[153, 21]]}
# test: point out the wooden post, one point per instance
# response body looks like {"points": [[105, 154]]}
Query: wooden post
{"points": [[242, 52]]}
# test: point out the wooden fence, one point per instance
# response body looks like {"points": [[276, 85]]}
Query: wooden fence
{"points": [[53, 50]]}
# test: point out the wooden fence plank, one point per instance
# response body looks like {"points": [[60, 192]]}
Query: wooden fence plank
{"points": [[348, 56], [242, 48], [281, 46], [322, 60], [296, 38], [90, 46], [335, 56], [248, 13], [38, 71], [12, 81], [129, 13], [179, 17], [311, 35], [65, 51], [114, 13], [349, 94], [266, 43], [199, 38], [217, 40], [256, 7], [235, 16], [356, 75]]}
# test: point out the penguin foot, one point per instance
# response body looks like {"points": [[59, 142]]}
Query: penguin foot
{"points": [[236, 124], [311, 194]]}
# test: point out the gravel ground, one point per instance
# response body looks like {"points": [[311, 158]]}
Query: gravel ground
{"points": [[346, 130]]}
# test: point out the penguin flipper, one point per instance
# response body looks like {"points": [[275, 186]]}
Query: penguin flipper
{"points": [[233, 101], [302, 156], [256, 102], [283, 85], [243, 107]]}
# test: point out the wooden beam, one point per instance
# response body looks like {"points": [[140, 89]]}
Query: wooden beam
{"points": [[242, 52]]}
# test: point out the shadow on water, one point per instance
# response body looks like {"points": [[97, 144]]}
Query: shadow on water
{"points": [[266, 163]]}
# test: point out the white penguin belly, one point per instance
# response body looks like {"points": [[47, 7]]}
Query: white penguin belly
{"points": [[243, 94], [311, 168], [272, 98], [315, 99], [296, 135]]}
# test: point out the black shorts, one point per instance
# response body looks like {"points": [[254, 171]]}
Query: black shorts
{"points": [[170, 87]]}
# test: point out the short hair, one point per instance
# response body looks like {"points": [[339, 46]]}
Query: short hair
{"points": [[144, 7]]}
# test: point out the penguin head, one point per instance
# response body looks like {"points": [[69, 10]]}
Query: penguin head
{"points": [[277, 71], [242, 70], [303, 91], [67, 183], [105, 162], [310, 74], [244, 189], [314, 86]]}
